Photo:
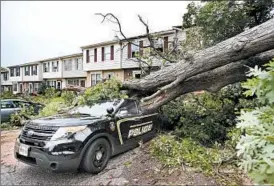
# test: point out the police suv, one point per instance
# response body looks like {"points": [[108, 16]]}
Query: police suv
{"points": [[85, 137]]}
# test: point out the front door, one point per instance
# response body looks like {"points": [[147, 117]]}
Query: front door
{"points": [[21, 88], [30, 88], [58, 85]]}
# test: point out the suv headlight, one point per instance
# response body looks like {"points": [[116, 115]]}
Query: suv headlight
{"points": [[66, 132]]}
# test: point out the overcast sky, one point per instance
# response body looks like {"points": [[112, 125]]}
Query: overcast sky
{"points": [[32, 31]]}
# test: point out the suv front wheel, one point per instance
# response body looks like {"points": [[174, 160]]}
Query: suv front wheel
{"points": [[96, 156]]}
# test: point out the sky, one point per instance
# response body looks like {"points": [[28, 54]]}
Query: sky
{"points": [[36, 30]]}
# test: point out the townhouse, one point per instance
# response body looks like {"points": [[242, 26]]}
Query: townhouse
{"points": [[6, 84], [96, 62], [111, 59], [64, 71]]}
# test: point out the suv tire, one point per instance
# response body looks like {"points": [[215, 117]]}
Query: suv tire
{"points": [[97, 155]]}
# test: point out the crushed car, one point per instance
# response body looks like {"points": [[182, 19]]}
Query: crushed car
{"points": [[86, 137]]}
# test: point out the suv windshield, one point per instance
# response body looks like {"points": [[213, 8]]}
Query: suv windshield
{"points": [[96, 110]]}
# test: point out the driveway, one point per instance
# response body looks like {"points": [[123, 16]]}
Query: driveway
{"points": [[133, 167]]}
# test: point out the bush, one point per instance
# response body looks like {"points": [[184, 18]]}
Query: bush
{"points": [[68, 97], [51, 92], [256, 148], [7, 95], [42, 88], [207, 117]]}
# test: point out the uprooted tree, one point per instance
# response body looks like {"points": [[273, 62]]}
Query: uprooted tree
{"points": [[208, 69]]}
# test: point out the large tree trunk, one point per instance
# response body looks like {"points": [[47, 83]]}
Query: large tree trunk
{"points": [[209, 69]]}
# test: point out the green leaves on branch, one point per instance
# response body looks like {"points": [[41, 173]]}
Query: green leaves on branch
{"points": [[256, 148], [107, 90]]}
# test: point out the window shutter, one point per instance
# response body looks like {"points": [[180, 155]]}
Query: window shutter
{"points": [[112, 52], [95, 55], [129, 50], [103, 53], [141, 45], [165, 44], [87, 54]]}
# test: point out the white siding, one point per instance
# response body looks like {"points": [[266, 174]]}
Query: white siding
{"points": [[31, 77], [128, 63], [74, 72], [50, 74], [102, 65], [16, 78], [5, 82]]}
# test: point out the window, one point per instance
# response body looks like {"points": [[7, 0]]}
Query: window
{"points": [[111, 52], [95, 55], [7, 104], [5, 76], [136, 74], [68, 65], [158, 44], [83, 83], [79, 65], [74, 82], [130, 107], [27, 70], [34, 70], [17, 71], [12, 72], [51, 83], [15, 87], [46, 67], [87, 56], [133, 50], [103, 53], [95, 78], [55, 65]]}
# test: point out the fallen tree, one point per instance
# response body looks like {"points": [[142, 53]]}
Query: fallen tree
{"points": [[209, 69]]}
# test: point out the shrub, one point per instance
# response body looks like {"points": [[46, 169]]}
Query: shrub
{"points": [[42, 88], [68, 97], [7, 95], [207, 117], [51, 92], [256, 148]]}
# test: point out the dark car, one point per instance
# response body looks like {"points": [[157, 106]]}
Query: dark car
{"points": [[11, 106], [86, 137]]}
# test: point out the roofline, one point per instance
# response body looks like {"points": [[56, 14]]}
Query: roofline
{"points": [[43, 60], [100, 44], [130, 38], [59, 57]]}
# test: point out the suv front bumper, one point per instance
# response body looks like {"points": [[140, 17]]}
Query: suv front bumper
{"points": [[38, 156]]}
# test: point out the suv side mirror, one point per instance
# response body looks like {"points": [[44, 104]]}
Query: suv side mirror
{"points": [[110, 110]]}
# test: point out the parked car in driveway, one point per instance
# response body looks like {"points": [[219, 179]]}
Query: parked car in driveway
{"points": [[85, 137], [11, 106]]}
